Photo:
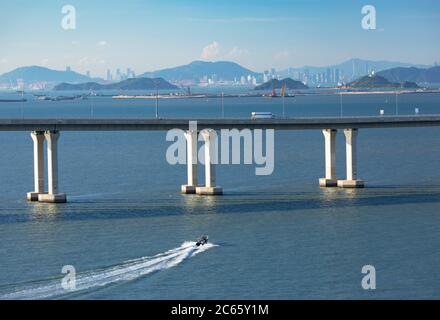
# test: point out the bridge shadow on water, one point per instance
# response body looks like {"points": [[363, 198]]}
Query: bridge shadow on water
{"points": [[230, 203]]}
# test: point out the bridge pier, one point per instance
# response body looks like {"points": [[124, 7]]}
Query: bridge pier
{"points": [[330, 179], [38, 139], [191, 162], [53, 195], [210, 188], [351, 160]]}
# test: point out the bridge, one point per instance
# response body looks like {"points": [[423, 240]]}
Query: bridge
{"points": [[49, 130], [216, 124]]}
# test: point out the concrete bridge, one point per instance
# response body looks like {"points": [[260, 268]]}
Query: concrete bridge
{"points": [[49, 130]]}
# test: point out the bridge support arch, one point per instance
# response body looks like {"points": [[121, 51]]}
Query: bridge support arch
{"points": [[38, 139], [191, 162], [52, 195], [210, 188], [351, 180], [330, 179]]}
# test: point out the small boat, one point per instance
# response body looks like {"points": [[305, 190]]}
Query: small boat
{"points": [[201, 241], [44, 98], [63, 98]]}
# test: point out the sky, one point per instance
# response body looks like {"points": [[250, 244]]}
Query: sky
{"points": [[149, 35]]}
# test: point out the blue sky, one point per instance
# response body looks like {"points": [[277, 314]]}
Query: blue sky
{"points": [[147, 35]]}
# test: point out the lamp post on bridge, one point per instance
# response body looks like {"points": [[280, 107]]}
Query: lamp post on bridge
{"points": [[223, 106], [157, 98], [340, 102]]}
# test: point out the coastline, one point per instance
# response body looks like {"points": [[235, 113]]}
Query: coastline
{"points": [[264, 95]]}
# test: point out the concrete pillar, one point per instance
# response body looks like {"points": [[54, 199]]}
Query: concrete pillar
{"points": [[191, 162], [38, 138], [53, 194], [330, 179], [210, 187], [351, 161]]}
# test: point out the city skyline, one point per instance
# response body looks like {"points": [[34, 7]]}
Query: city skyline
{"points": [[149, 35], [206, 73]]}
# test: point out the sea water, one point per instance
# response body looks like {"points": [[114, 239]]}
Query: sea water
{"points": [[127, 230]]}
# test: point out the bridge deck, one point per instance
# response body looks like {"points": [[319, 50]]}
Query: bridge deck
{"points": [[166, 124]]}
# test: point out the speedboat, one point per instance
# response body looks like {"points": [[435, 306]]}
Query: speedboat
{"points": [[201, 241]]}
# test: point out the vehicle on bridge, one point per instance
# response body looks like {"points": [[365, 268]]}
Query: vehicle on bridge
{"points": [[262, 115]]}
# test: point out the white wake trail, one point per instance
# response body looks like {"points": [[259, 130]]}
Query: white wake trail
{"points": [[126, 271]]}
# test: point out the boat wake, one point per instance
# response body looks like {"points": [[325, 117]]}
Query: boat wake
{"points": [[126, 271]]}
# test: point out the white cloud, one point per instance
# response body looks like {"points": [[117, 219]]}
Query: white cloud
{"points": [[75, 42], [237, 53], [44, 62], [3, 60], [214, 51], [211, 51], [282, 55], [87, 61], [102, 43]]}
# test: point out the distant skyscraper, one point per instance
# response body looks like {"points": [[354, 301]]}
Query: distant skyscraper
{"points": [[109, 75], [337, 75], [68, 69], [307, 73], [266, 75], [128, 73], [354, 70], [88, 74], [328, 77]]}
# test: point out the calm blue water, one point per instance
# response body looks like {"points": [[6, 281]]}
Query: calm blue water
{"points": [[127, 230]]}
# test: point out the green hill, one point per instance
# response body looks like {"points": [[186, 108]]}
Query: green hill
{"points": [[278, 84], [377, 81], [129, 84]]}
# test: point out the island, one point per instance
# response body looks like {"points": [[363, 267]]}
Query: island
{"points": [[377, 81], [278, 84], [129, 84]]}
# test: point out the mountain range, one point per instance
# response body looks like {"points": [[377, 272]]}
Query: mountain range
{"points": [[354, 68], [129, 84], [41, 74], [412, 74], [196, 70], [225, 70]]}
